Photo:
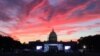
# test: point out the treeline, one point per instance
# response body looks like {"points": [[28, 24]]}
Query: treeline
{"points": [[90, 42], [7, 42]]}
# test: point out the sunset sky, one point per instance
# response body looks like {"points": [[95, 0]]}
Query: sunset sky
{"points": [[31, 20]]}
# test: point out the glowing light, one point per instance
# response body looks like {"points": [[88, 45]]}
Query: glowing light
{"points": [[38, 47], [67, 47], [84, 46]]}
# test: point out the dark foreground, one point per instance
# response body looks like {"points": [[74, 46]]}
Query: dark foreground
{"points": [[49, 54]]}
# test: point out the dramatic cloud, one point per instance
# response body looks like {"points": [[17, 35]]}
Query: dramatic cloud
{"points": [[34, 19]]}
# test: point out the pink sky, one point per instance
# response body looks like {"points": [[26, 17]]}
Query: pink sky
{"points": [[31, 20]]}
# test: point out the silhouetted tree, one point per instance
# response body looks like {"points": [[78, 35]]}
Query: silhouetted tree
{"points": [[91, 42], [7, 42]]}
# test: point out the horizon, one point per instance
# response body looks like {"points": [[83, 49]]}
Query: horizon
{"points": [[75, 40]]}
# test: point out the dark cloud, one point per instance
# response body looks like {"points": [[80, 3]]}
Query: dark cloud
{"points": [[8, 8], [4, 17], [14, 3], [75, 3], [16, 8]]}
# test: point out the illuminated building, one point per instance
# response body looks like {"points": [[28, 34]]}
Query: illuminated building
{"points": [[52, 45]]}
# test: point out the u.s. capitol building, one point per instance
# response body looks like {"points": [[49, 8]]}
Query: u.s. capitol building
{"points": [[53, 45]]}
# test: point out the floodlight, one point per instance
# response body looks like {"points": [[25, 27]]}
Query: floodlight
{"points": [[84, 47], [38, 47], [67, 47]]}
